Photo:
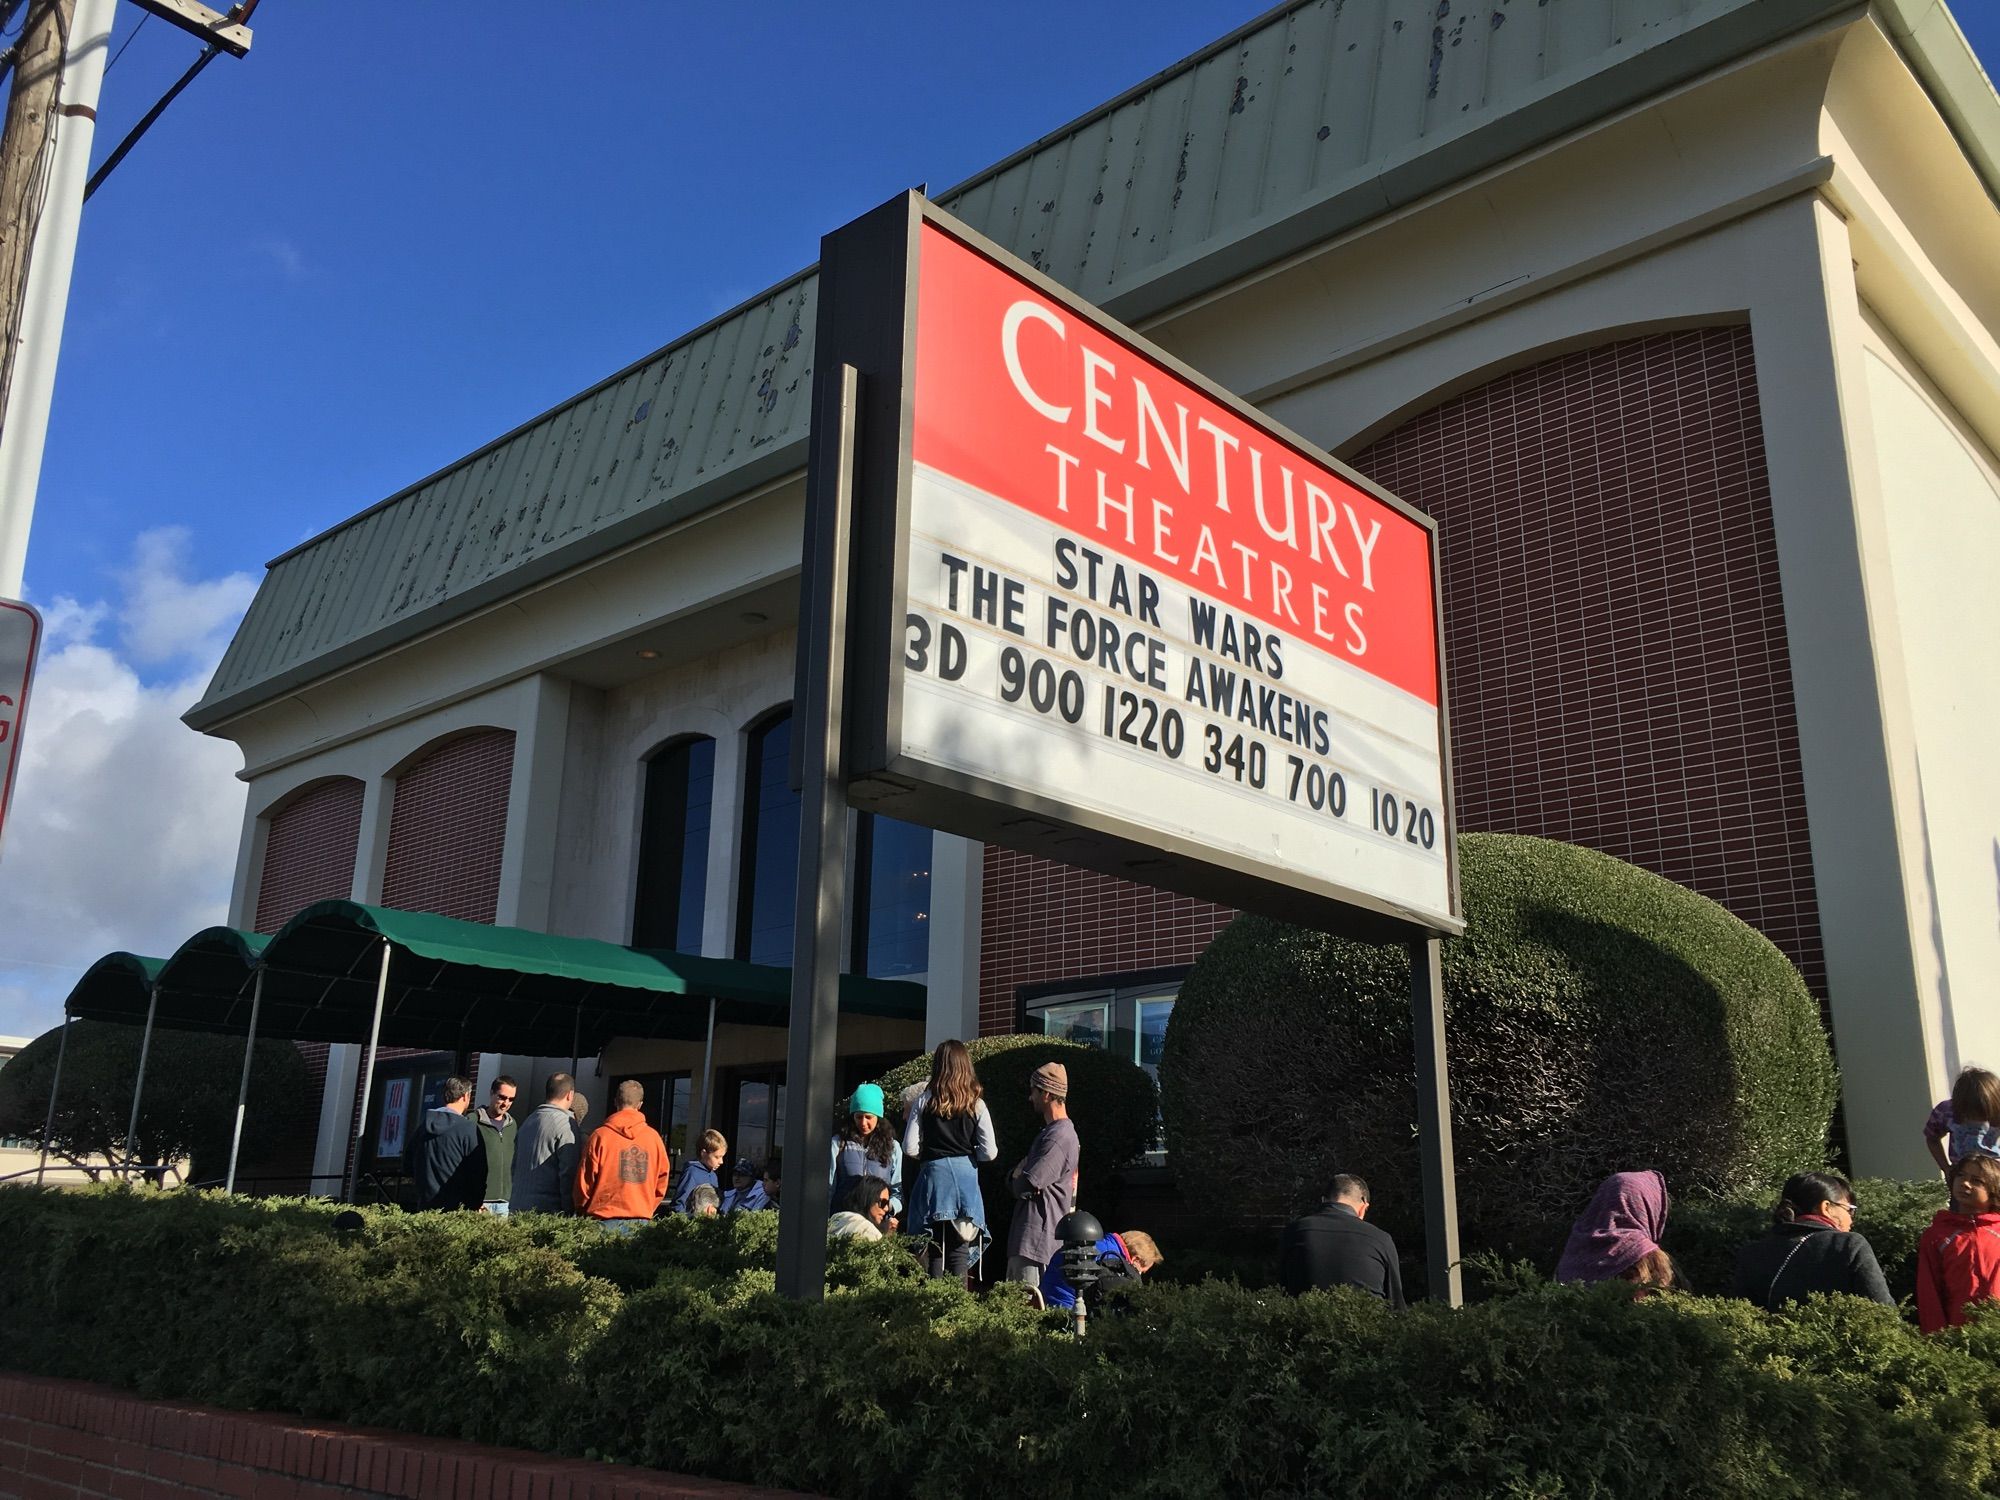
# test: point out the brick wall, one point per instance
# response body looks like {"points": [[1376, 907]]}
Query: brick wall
{"points": [[1615, 633], [448, 828], [1616, 645], [1043, 921], [63, 1438], [309, 850]]}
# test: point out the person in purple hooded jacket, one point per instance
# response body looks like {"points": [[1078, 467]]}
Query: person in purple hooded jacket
{"points": [[1617, 1238]]}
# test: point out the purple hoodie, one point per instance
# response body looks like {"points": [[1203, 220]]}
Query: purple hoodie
{"points": [[1624, 1222]]}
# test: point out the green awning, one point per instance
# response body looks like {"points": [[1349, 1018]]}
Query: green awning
{"points": [[115, 988], [457, 986]]}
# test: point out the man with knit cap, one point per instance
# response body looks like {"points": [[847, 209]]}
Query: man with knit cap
{"points": [[1045, 1181], [623, 1177]]}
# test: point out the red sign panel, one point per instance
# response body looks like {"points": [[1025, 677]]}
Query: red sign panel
{"points": [[1025, 399]]}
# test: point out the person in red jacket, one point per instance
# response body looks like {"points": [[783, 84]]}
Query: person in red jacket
{"points": [[623, 1176], [1958, 1258]]}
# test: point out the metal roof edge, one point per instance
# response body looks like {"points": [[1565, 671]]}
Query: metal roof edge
{"points": [[761, 468], [774, 290], [1438, 164]]}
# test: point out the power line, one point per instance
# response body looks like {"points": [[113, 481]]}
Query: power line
{"points": [[238, 13], [128, 41]]}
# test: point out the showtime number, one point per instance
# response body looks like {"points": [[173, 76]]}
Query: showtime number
{"points": [[1324, 790], [1046, 689], [1245, 759], [1392, 815]]}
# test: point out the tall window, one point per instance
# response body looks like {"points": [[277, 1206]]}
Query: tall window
{"points": [[673, 847], [892, 910], [770, 879]]}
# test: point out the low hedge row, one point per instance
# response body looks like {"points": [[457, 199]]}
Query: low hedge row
{"points": [[670, 1348]]}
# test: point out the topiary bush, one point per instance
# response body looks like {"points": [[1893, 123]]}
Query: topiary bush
{"points": [[187, 1111], [1112, 1101], [1598, 1017]]}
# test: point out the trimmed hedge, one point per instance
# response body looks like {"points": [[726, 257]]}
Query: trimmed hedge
{"points": [[1111, 1100], [670, 1348], [1598, 1017]]}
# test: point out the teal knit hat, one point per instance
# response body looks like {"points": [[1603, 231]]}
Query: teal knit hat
{"points": [[867, 1100]]}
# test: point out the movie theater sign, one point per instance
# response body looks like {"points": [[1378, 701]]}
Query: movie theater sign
{"points": [[1106, 612]]}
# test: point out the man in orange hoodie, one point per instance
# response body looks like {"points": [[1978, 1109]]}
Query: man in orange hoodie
{"points": [[624, 1172]]}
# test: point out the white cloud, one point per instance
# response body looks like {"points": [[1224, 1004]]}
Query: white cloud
{"points": [[125, 822], [165, 617], [284, 254]]}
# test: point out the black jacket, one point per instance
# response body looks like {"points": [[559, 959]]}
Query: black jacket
{"points": [[448, 1161], [1337, 1247], [1795, 1260]]}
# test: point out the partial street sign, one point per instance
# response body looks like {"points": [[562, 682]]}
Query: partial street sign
{"points": [[20, 639]]}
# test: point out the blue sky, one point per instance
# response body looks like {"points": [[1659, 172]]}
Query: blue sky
{"points": [[385, 237]]}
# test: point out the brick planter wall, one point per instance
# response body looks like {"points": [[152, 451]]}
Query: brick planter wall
{"points": [[63, 1438]]}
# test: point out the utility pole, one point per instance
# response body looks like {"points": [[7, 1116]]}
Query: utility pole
{"points": [[44, 162]]}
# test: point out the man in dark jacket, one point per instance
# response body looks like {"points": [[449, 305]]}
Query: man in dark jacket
{"points": [[1337, 1247], [448, 1161], [1812, 1247]]}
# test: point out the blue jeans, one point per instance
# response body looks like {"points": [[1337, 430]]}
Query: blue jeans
{"points": [[495, 1206], [623, 1226]]}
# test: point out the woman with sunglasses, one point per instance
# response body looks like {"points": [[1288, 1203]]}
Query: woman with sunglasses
{"points": [[1812, 1247], [864, 1213]]}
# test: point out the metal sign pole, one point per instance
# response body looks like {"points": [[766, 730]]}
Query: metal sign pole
{"points": [[367, 1074], [49, 1125], [139, 1083], [822, 899], [243, 1084], [708, 1070], [1434, 1122]]}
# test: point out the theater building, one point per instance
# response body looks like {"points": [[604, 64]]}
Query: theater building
{"points": [[1679, 317]]}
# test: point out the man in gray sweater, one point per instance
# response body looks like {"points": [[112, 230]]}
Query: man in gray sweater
{"points": [[545, 1154]]}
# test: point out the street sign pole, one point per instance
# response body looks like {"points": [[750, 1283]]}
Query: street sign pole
{"points": [[822, 900], [1434, 1122]]}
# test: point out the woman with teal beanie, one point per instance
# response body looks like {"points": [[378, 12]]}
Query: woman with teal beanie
{"points": [[866, 1147]]}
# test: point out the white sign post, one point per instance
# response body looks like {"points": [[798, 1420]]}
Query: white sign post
{"points": [[20, 641]]}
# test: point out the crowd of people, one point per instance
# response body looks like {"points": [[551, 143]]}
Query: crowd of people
{"points": [[924, 1186]]}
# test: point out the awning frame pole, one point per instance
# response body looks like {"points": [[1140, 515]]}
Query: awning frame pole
{"points": [[243, 1085], [55, 1085], [139, 1083], [707, 1074], [575, 1042], [367, 1075]]}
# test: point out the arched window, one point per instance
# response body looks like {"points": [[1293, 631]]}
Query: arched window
{"points": [[769, 884], [892, 902], [309, 847], [673, 847]]}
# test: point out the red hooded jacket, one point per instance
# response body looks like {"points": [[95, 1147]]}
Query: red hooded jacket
{"points": [[1958, 1263]]}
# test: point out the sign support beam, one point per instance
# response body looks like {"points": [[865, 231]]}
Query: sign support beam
{"points": [[1441, 1257], [822, 900]]}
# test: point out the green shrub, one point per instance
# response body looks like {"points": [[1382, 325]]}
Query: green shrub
{"points": [[1598, 1017], [670, 1348], [1112, 1101]]}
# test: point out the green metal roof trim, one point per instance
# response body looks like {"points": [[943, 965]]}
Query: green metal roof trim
{"points": [[1313, 118], [452, 985]]}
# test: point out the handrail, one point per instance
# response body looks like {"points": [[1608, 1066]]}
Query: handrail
{"points": [[95, 1173]]}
